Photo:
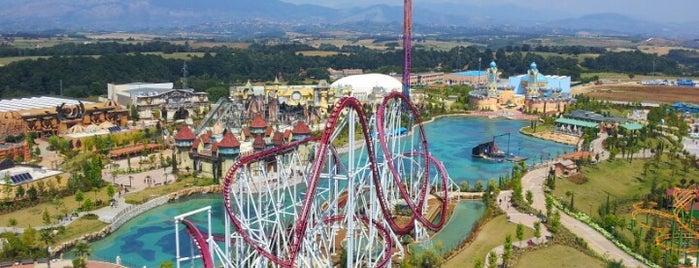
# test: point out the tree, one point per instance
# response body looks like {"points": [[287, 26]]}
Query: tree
{"points": [[549, 206], [530, 197], [110, 191], [47, 236], [46, 217], [572, 200], [507, 252], [537, 230], [79, 196], [133, 111], [32, 193], [87, 205], [478, 187], [29, 237], [492, 259], [478, 264], [82, 252], [426, 259], [519, 232]]}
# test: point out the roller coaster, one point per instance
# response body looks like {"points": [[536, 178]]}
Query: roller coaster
{"points": [[677, 229], [346, 196]]}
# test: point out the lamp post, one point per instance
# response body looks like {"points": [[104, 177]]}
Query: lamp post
{"points": [[130, 181]]}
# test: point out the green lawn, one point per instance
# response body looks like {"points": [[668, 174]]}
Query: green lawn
{"points": [[79, 228], [625, 183], [7, 60], [32, 216], [492, 234], [558, 256], [153, 192], [621, 180], [539, 129]]}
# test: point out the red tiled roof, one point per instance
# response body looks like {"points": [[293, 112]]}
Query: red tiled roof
{"points": [[205, 138], [247, 132], [185, 134], [258, 122], [195, 144], [278, 138], [268, 130], [134, 149], [258, 143], [578, 155], [229, 141], [214, 147], [287, 134], [301, 128]]}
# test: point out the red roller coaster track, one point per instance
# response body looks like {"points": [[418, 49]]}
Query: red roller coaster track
{"points": [[325, 146]]}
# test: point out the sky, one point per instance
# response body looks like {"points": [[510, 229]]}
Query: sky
{"points": [[651, 10]]}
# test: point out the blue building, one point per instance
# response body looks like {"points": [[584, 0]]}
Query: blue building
{"points": [[535, 81], [685, 82], [684, 107]]}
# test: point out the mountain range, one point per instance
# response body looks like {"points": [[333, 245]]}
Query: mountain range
{"points": [[144, 15]]}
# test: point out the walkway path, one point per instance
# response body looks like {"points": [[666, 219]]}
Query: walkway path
{"points": [[517, 217], [534, 181]]}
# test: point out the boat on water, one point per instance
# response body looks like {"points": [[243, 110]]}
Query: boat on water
{"points": [[490, 151]]}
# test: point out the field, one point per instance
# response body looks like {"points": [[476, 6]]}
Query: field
{"points": [[592, 194], [558, 256], [7, 60], [32, 216], [492, 234], [634, 92]]}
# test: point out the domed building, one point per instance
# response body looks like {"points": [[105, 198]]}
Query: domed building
{"points": [[366, 87], [533, 92]]}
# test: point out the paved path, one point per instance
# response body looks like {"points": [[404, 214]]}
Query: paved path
{"points": [[691, 145], [534, 181], [517, 217]]}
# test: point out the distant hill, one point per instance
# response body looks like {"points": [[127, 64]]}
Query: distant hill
{"points": [[138, 15]]}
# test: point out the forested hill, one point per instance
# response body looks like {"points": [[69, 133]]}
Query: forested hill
{"points": [[218, 68]]}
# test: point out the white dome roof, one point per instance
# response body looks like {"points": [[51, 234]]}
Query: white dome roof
{"points": [[365, 83]]}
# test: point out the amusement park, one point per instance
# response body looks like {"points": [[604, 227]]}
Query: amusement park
{"points": [[358, 204]]}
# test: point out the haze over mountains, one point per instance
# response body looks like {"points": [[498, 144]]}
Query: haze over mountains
{"points": [[138, 15]]}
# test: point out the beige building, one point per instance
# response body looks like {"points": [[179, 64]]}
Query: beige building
{"points": [[26, 177], [159, 100]]}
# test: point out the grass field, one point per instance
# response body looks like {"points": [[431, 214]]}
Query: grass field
{"points": [[626, 183], [32, 216], [7, 60], [152, 192], [492, 234], [79, 228], [558, 256], [632, 92]]}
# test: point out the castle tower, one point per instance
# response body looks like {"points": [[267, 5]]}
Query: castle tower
{"points": [[301, 131], [184, 139], [532, 81], [228, 151], [493, 75], [258, 126]]}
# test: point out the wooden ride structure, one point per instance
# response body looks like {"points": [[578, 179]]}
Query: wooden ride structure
{"points": [[678, 230]]}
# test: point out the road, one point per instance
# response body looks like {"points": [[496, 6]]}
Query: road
{"points": [[534, 181]]}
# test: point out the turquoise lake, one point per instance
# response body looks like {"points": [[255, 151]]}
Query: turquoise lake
{"points": [[149, 239]]}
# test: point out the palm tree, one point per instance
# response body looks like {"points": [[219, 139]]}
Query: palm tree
{"points": [[81, 251], [48, 237]]}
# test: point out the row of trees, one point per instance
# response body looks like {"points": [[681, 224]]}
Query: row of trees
{"points": [[83, 76]]}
